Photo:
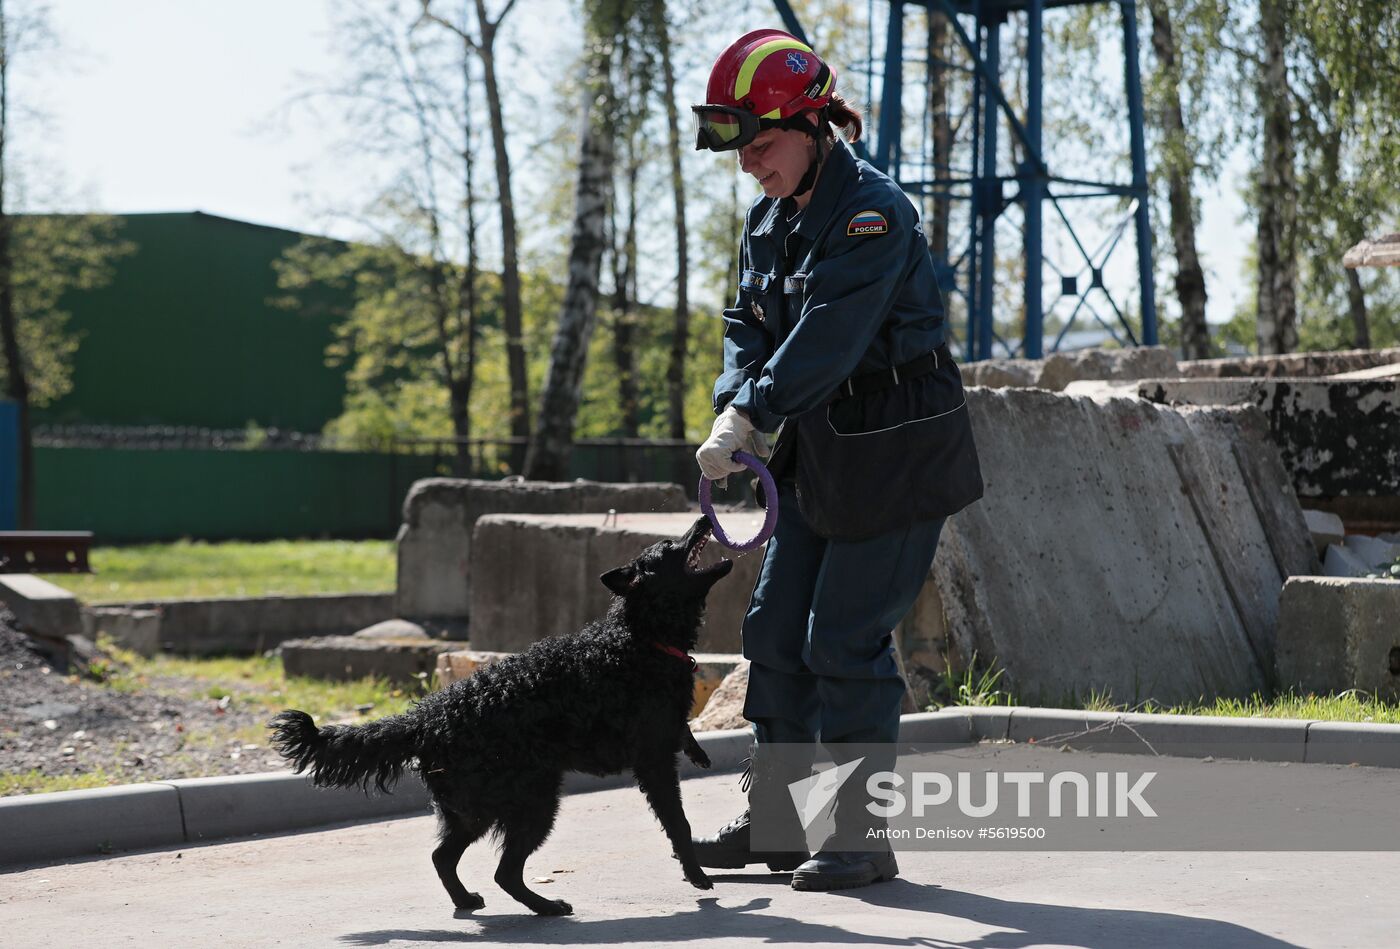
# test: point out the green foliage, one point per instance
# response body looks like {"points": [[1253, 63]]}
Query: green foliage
{"points": [[55, 255], [200, 569]]}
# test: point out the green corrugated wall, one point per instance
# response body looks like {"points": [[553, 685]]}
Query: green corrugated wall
{"points": [[184, 334]]}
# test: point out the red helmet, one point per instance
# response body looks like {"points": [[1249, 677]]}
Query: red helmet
{"points": [[765, 79]]}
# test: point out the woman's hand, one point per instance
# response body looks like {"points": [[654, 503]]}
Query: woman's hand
{"points": [[732, 432]]}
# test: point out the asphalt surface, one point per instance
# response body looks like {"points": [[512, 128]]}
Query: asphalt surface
{"points": [[374, 885]]}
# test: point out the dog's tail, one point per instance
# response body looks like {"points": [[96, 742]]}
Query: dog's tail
{"points": [[347, 756]]}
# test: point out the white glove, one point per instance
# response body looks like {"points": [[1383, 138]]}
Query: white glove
{"points": [[732, 432]]}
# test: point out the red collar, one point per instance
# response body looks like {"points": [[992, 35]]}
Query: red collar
{"points": [[673, 651]]}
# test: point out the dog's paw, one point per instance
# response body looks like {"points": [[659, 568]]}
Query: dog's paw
{"points": [[553, 908], [473, 901], [700, 880], [699, 758]]}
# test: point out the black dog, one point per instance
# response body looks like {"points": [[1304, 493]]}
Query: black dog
{"points": [[493, 748]]}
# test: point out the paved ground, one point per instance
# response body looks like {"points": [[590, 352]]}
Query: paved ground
{"points": [[373, 885]]}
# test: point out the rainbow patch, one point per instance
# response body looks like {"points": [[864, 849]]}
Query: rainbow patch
{"points": [[866, 223]]}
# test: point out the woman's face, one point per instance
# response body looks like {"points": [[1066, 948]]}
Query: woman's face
{"points": [[777, 158]]}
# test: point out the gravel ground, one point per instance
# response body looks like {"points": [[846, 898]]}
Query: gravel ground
{"points": [[59, 724]]}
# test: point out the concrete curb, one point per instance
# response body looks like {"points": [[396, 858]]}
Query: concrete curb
{"points": [[43, 828]]}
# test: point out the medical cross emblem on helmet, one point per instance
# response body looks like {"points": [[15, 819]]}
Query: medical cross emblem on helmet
{"points": [[797, 62]]}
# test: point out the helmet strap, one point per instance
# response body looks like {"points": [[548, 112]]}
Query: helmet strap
{"points": [[810, 178]]}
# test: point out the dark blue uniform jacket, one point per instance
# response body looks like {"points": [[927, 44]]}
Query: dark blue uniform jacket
{"points": [[861, 302], [848, 291]]}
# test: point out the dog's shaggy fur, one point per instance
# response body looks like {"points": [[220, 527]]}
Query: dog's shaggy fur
{"points": [[493, 748]]}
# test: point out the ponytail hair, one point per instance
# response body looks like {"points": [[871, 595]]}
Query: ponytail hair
{"points": [[846, 117]]}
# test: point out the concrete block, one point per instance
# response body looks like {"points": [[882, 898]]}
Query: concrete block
{"points": [[1325, 527], [1291, 364], [725, 709], [1362, 743], [40, 606], [1125, 548], [711, 669], [1372, 550], [1058, 370], [1336, 438], [1337, 634], [136, 630], [40, 828], [254, 624], [435, 540], [247, 804], [1341, 562], [537, 575], [455, 666], [341, 658]]}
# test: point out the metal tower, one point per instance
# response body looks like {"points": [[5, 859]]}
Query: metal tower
{"points": [[967, 262]]}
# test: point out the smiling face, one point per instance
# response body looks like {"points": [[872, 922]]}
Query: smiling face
{"points": [[778, 158]]}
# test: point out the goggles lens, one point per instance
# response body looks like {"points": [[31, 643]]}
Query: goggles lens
{"points": [[722, 129]]}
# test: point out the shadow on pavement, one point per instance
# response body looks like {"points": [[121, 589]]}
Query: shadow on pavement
{"points": [[1011, 925]]}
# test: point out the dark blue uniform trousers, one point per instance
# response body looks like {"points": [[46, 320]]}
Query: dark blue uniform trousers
{"points": [[818, 633]]}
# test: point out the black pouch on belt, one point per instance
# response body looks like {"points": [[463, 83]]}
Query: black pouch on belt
{"points": [[882, 453]]}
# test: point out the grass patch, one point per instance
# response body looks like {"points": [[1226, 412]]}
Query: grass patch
{"points": [[982, 687], [34, 781], [259, 682], [191, 569]]}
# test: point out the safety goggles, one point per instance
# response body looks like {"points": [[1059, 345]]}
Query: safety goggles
{"points": [[722, 128]]}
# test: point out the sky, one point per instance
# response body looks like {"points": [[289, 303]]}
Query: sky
{"points": [[181, 105]]}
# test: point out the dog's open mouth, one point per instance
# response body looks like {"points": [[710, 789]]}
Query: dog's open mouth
{"points": [[692, 558]]}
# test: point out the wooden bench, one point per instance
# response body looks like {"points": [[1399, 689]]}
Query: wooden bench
{"points": [[45, 551]]}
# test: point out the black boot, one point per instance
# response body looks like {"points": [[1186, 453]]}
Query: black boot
{"points": [[858, 853], [730, 850], [771, 770]]}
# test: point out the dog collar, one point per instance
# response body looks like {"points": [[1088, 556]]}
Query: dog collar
{"points": [[672, 650]]}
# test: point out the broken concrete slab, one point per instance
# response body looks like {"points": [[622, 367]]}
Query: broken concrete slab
{"points": [[1337, 634], [710, 670], [439, 514], [243, 625], [1058, 370], [725, 708], [1325, 527], [342, 658], [536, 575], [1372, 550], [136, 630], [1335, 438], [41, 607], [1383, 251], [1127, 548], [1341, 562], [1307, 365]]}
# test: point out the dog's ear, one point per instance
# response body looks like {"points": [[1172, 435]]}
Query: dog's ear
{"points": [[623, 580]]}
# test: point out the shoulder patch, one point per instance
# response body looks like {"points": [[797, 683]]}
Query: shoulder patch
{"points": [[867, 223]]}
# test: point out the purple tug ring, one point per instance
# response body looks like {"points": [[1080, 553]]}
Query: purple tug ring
{"points": [[770, 494]]}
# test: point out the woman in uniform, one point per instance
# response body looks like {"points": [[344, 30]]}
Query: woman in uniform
{"points": [[837, 341]]}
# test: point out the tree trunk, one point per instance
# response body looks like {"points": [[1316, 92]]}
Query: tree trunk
{"points": [[552, 442], [624, 307], [1179, 162], [1356, 306], [942, 131], [680, 334], [511, 310], [1277, 327], [16, 380], [466, 291]]}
